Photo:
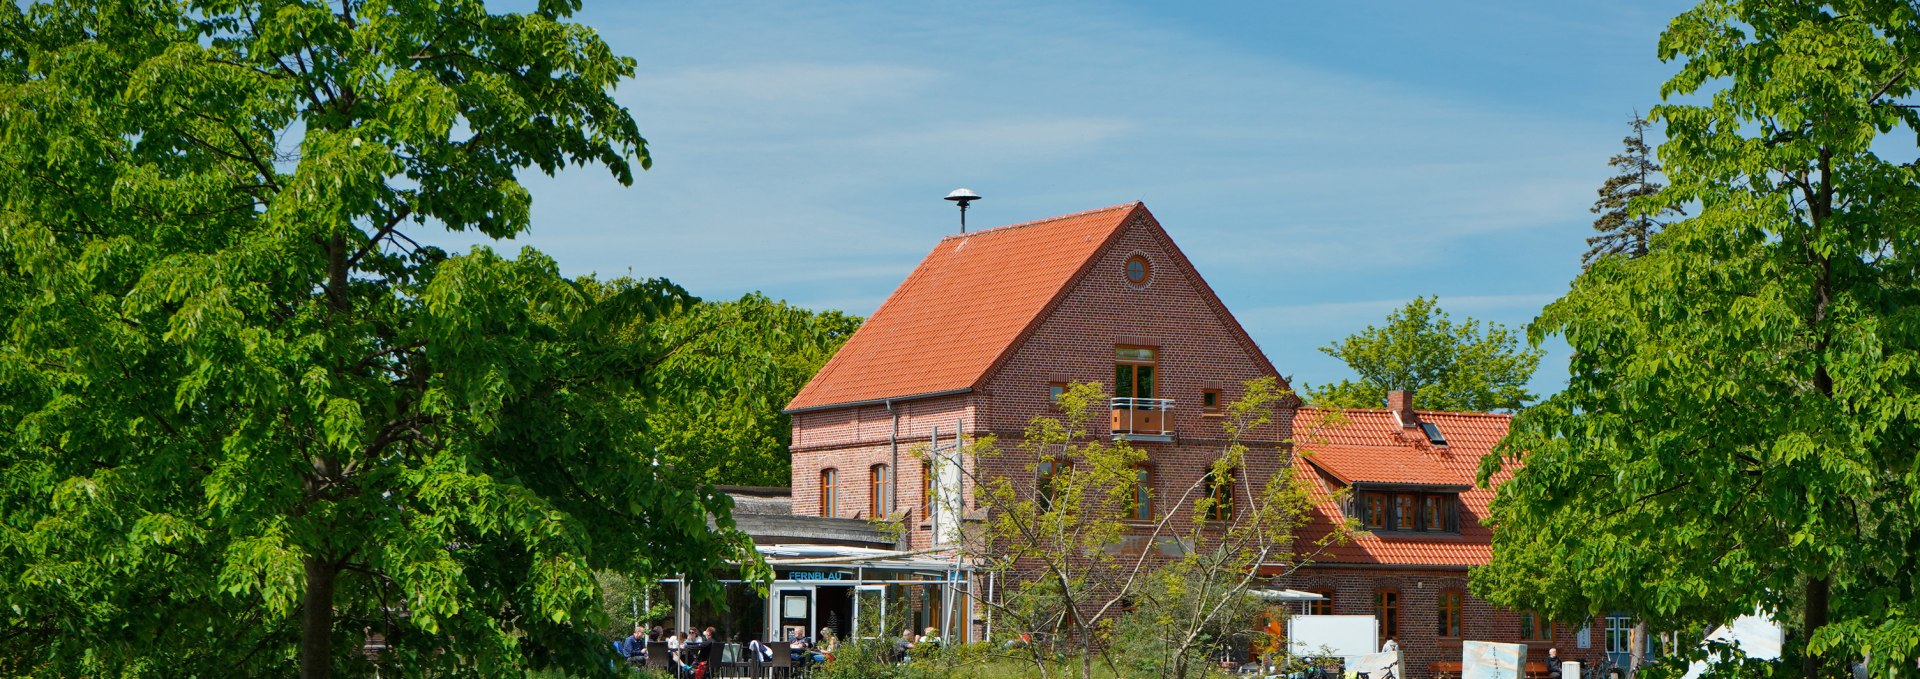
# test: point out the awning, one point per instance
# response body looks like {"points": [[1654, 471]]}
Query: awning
{"points": [[1266, 594], [787, 556]]}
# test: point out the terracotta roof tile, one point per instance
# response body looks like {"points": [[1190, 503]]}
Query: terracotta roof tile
{"points": [[962, 309], [1369, 446]]}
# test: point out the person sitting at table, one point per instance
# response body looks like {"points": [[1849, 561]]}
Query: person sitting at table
{"points": [[679, 652], [634, 647], [903, 646], [829, 642]]}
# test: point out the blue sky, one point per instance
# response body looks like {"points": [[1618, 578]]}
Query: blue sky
{"points": [[1321, 163]]}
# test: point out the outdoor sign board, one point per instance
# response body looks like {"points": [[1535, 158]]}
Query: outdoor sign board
{"points": [[1335, 635], [1492, 660]]}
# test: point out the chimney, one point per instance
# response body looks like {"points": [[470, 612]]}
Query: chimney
{"points": [[1401, 403]]}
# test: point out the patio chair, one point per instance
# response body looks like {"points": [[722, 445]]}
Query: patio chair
{"points": [[657, 656], [782, 664]]}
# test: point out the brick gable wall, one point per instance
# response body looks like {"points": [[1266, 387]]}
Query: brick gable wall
{"points": [[1197, 349]]}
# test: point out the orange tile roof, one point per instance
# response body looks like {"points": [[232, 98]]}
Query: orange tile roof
{"points": [[1370, 446], [963, 309]]}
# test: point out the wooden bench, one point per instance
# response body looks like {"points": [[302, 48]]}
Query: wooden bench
{"points": [[1450, 669]]}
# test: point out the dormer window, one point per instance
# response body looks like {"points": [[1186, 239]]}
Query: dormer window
{"points": [[1424, 511]]}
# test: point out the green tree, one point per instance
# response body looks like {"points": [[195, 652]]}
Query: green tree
{"points": [[1194, 604], [1055, 533], [1624, 227], [1445, 366], [730, 369], [1077, 549], [1739, 427], [244, 418]]}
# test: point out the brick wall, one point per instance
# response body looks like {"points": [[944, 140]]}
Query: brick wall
{"points": [[1419, 591], [852, 440]]}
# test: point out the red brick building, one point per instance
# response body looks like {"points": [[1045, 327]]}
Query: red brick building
{"points": [[978, 338], [1407, 477]]}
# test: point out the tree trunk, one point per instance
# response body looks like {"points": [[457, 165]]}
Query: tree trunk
{"points": [[1816, 617], [316, 620], [1636, 648]]}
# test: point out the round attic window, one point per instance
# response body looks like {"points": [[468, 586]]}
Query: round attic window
{"points": [[1139, 270]]}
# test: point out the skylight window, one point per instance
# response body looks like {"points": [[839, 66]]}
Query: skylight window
{"points": [[1433, 434]]}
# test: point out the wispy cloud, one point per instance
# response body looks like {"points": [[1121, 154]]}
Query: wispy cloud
{"points": [[1321, 164]]}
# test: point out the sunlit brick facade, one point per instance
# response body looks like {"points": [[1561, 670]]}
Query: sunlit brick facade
{"points": [[990, 321]]}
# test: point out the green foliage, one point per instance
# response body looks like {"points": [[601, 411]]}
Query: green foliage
{"points": [[1624, 225], [1739, 426], [1197, 603], [1091, 589], [1445, 366], [1054, 534], [244, 418], [731, 368]]}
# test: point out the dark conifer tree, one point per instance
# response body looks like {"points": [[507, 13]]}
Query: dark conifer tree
{"points": [[1623, 231]]}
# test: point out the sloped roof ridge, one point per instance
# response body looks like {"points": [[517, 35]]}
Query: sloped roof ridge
{"points": [[1037, 222], [1472, 413]]}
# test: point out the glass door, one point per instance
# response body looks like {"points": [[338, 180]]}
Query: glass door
{"points": [[870, 611], [1133, 372]]}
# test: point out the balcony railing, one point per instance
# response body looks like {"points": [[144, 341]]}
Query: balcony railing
{"points": [[1142, 419]]}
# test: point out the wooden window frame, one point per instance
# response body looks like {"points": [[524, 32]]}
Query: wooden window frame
{"points": [[1404, 509], [1219, 404], [880, 489], [1452, 607], [1373, 504], [1139, 507], [1133, 366], [1047, 470], [1386, 608], [1222, 496], [1323, 606], [829, 492], [926, 490], [1054, 391], [1433, 512], [1395, 511], [1535, 627]]}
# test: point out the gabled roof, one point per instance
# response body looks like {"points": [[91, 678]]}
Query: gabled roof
{"points": [[963, 310], [1370, 447]]}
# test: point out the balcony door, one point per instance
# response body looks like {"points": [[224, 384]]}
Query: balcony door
{"points": [[1133, 371]]}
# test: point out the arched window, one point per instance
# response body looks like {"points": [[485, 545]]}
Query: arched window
{"points": [[829, 492], [880, 500], [1452, 603], [1386, 610]]}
